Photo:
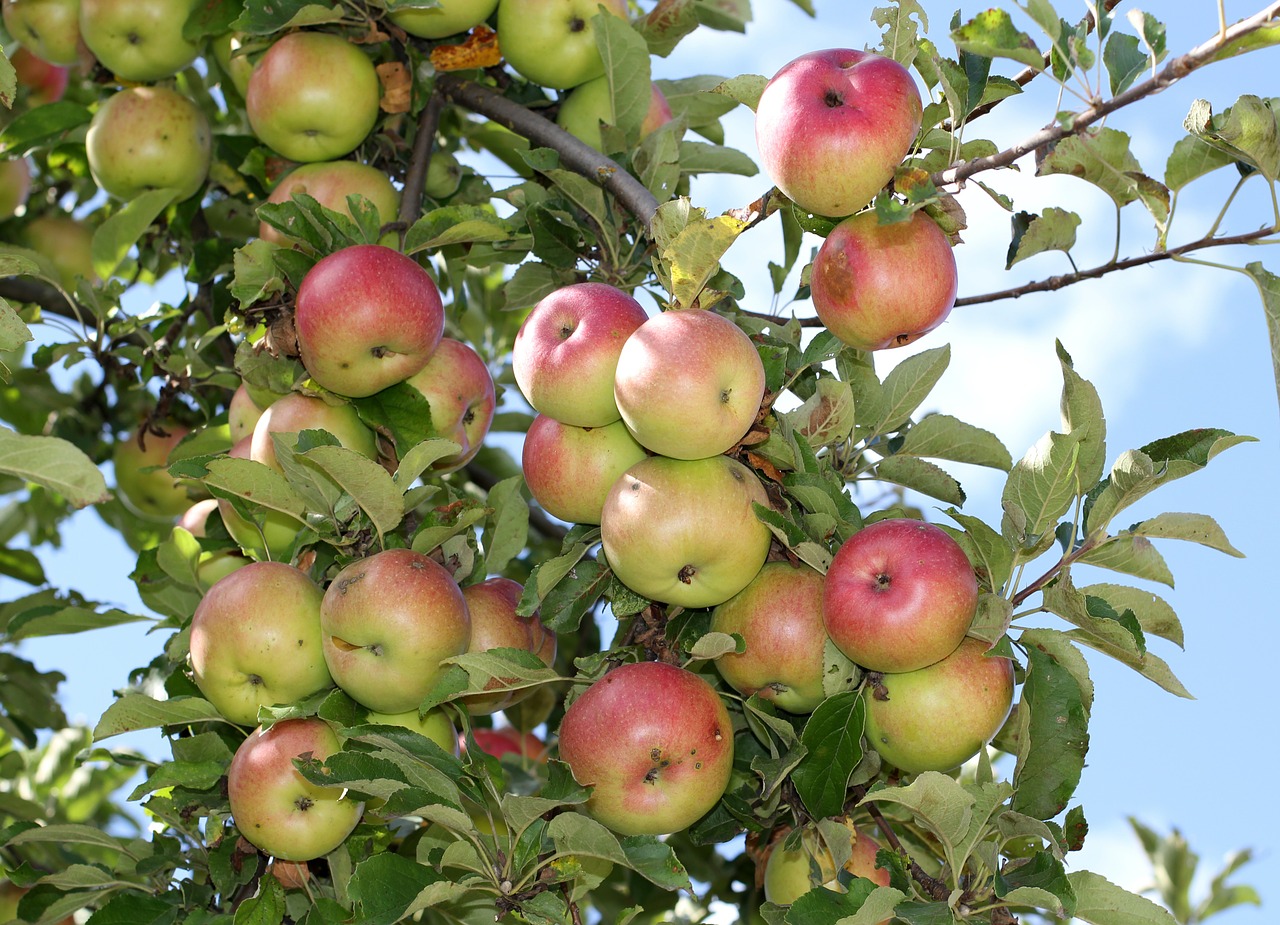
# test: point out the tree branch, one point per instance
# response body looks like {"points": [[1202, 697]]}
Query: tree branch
{"points": [[577, 156], [36, 292], [415, 181]]}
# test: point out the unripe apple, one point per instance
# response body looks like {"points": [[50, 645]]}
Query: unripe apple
{"points": [[15, 185], [434, 725], [900, 594], [569, 470], [142, 478], [877, 286], [779, 617], [389, 620], [66, 242], [655, 743], [296, 412], [255, 640], [45, 82], [937, 718], [138, 40], [552, 42], [271, 535], [448, 18], [367, 317], [330, 183], [832, 127], [684, 532], [49, 28], [213, 566], [149, 138], [689, 384], [459, 389], [588, 105], [243, 413], [495, 624], [789, 873], [444, 174], [566, 352], [276, 809], [234, 64]]}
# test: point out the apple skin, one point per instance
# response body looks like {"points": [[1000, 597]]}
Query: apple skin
{"points": [[507, 740], [367, 317], [243, 413], [255, 640], [689, 384], [779, 616], [656, 744], [876, 286], [551, 42], [15, 185], [449, 18], [147, 138], [274, 532], [496, 625], [444, 173], [459, 388], [434, 725], [330, 183], [237, 67], [588, 105], [683, 531], [295, 412], [566, 352], [45, 82], [937, 718], [389, 620], [789, 873], [153, 494], [276, 809], [67, 243], [569, 470], [833, 125], [50, 29], [213, 566], [138, 40], [313, 96], [900, 594]]}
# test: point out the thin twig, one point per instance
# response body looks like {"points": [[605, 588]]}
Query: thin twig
{"points": [[932, 885], [415, 180]]}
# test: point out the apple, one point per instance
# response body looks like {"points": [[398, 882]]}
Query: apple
{"points": [[444, 173], [434, 725], [255, 640], [569, 470], [389, 620], [449, 17], [900, 594], [149, 138], [271, 535], [789, 873], [567, 348], [684, 531], [45, 82], [313, 96], [367, 317], [779, 617], [689, 384], [66, 242], [508, 740], [552, 42], [138, 40], [11, 895], [295, 412], [833, 125], [588, 105], [459, 388], [655, 744], [496, 625], [143, 482], [276, 809], [877, 286], [15, 185], [938, 717], [50, 29], [234, 63], [330, 183], [243, 413], [214, 565]]}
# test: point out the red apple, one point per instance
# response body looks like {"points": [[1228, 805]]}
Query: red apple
{"points": [[900, 594], [877, 286], [833, 125], [655, 744], [367, 317], [569, 470], [459, 388], [507, 740], [496, 625], [296, 412], [689, 384], [330, 183], [45, 82]]}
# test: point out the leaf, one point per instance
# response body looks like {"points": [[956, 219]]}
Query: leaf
{"points": [[1082, 416], [13, 330], [745, 89], [389, 887], [1053, 229], [1101, 902], [41, 125], [1152, 612], [1124, 60], [941, 436], [1190, 159], [826, 417], [53, 463], [257, 483], [457, 224], [1101, 156], [1132, 555], [507, 532], [369, 485], [900, 29], [699, 157], [1040, 881], [266, 18], [66, 621], [114, 238], [907, 385], [1195, 528], [656, 862], [67, 834], [693, 256], [1053, 740], [138, 711], [1247, 131], [992, 34], [666, 25], [1044, 483], [1059, 646], [626, 67], [1269, 288], [833, 738], [921, 476], [266, 907]]}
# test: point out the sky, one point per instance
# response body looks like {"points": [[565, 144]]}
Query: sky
{"points": [[1169, 347]]}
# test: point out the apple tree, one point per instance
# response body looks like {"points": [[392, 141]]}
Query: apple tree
{"points": [[502, 562]]}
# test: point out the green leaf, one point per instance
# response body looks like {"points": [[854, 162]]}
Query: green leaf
{"points": [[1124, 60], [1059, 646], [68, 834], [1132, 555], [1101, 156], [65, 621], [266, 18], [1152, 612], [138, 711], [992, 34], [699, 157], [833, 738], [693, 256], [256, 483], [626, 67], [1190, 159], [507, 532], [940, 436], [23, 565], [1053, 229], [457, 224], [365, 481], [906, 386], [1040, 881], [266, 907], [1247, 131], [827, 416], [1269, 288], [256, 274], [13, 330], [1195, 528], [389, 887], [1101, 902], [666, 25], [42, 125], [53, 463], [745, 89], [1053, 740], [656, 862], [114, 238], [1082, 416], [900, 29], [1117, 630], [986, 548], [1043, 484], [922, 476]]}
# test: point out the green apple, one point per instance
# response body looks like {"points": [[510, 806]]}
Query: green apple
{"points": [[789, 873], [213, 565], [389, 620], [448, 17], [242, 413], [15, 185], [66, 242], [459, 389], [49, 28], [655, 744], [271, 534], [313, 96], [295, 412], [232, 60], [138, 40], [330, 183], [149, 138], [255, 640], [275, 808], [684, 532], [588, 105], [444, 175], [552, 42], [496, 625], [434, 725], [142, 479], [569, 470]]}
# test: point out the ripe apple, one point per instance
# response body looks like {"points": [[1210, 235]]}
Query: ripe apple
{"points": [[877, 286], [255, 640], [434, 725], [569, 470], [45, 82], [276, 809], [552, 42], [566, 352], [15, 185], [270, 536], [789, 873], [214, 565], [496, 625], [588, 105], [689, 384], [508, 740], [938, 717], [459, 388], [448, 18], [900, 594], [313, 96], [148, 138], [235, 64], [142, 479], [779, 616], [66, 242], [389, 620], [684, 531], [138, 40], [242, 413], [330, 183], [367, 317], [654, 742], [50, 29], [295, 412], [833, 125]]}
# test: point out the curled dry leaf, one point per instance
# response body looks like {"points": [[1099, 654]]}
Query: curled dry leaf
{"points": [[480, 50], [397, 86]]}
